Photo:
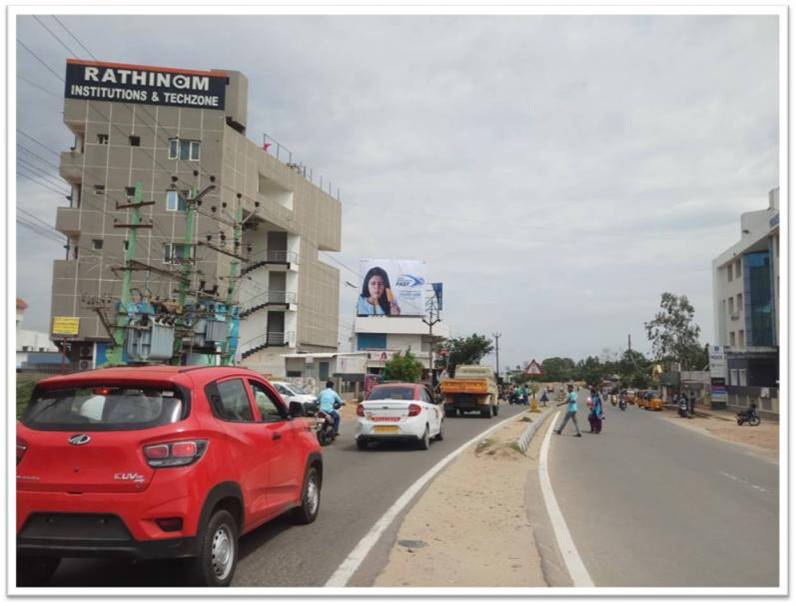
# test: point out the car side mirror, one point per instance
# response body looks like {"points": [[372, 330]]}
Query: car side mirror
{"points": [[296, 409]]}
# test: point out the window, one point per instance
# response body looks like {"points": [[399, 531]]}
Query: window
{"points": [[102, 138], [229, 401], [738, 268], [130, 191], [25, 347], [729, 273], [135, 140], [176, 200], [388, 392], [732, 306], [97, 244], [177, 253], [269, 410], [742, 377], [99, 189], [739, 302], [183, 149], [732, 339], [282, 390], [741, 341], [293, 373]]}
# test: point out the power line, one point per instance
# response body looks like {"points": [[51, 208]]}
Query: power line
{"points": [[50, 149], [40, 60], [66, 29], [40, 171], [39, 86], [52, 33], [34, 179], [35, 155]]}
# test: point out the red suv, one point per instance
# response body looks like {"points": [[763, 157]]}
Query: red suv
{"points": [[158, 462]]}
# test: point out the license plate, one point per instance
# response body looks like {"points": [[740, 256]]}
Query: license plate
{"points": [[386, 429], [385, 419]]}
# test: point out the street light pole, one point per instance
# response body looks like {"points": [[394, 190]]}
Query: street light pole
{"points": [[497, 336]]}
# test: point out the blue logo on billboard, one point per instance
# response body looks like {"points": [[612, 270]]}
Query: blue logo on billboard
{"points": [[409, 281]]}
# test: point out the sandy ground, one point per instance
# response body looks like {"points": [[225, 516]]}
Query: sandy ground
{"points": [[762, 440], [470, 527]]}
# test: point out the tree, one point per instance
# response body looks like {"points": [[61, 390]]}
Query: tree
{"points": [[558, 369], [465, 350], [673, 333], [403, 367], [591, 370]]}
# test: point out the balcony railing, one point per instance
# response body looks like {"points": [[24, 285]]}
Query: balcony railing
{"points": [[275, 257], [267, 339], [268, 297]]}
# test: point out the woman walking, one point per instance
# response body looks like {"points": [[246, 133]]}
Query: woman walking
{"points": [[596, 416]]}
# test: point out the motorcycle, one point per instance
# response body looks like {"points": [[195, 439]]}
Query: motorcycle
{"points": [[324, 428], [749, 416], [622, 404], [682, 408]]}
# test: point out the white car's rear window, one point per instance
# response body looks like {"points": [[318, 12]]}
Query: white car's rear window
{"points": [[388, 392]]}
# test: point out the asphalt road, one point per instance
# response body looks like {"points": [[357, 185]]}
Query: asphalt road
{"points": [[652, 504], [358, 488]]}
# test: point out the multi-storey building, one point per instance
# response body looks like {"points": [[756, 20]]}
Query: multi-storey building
{"points": [[746, 309], [177, 132]]}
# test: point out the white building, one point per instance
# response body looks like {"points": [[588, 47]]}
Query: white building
{"points": [[746, 309], [32, 347]]}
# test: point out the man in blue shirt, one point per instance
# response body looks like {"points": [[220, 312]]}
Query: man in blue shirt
{"points": [[327, 399], [572, 409]]}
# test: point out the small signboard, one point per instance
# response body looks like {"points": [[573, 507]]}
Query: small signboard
{"points": [[66, 326], [534, 369]]}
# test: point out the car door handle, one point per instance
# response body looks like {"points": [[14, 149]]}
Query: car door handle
{"points": [[277, 436]]}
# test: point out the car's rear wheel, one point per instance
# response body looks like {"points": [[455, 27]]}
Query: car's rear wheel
{"points": [[310, 498], [425, 441], [440, 436], [218, 551], [35, 571]]}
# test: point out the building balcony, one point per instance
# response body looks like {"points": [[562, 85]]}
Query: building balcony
{"points": [[268, 299], [71, 167], [67, 221], [282, 258]]}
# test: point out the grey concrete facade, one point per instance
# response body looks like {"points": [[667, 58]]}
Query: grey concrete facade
{"points": [[118, 144]]}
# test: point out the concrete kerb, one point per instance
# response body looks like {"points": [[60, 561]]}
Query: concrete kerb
{"points": [[525, 439]]}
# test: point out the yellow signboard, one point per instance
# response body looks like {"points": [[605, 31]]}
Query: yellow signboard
{"points": [[66, 326]]}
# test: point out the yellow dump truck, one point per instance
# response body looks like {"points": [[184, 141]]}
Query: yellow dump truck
{"points": [[473, 389]]}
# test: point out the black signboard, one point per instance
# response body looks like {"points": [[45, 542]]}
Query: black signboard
{"points": [[149, 85]]}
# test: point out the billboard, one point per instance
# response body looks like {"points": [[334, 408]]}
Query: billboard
{"points": [[95, 81], [392, 288], [718, 374]]}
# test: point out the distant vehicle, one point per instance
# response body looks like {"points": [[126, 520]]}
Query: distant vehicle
{"points": [[399, 411], [158, 462], [749, 416], [473, 389], [294, 393]]}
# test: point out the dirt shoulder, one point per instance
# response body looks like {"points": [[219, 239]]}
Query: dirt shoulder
{"points": [[762, 440], [470, 528]]}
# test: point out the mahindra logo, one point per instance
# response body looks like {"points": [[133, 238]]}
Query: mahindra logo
{"points": [[80, 439]]}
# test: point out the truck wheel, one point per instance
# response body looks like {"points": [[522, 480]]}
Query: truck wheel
{"points": [[495, 410], [35, 571], [452, 412], [487, 412]]}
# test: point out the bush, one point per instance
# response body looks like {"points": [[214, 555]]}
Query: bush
{"points": [[24, 391], [403, 367]]}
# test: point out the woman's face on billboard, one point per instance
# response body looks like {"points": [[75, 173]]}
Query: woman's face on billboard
{"points": [[376, 286]]}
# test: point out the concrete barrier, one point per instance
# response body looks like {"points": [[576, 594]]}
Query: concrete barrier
{"points": [[525, 439]]}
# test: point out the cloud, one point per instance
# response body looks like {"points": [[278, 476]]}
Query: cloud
{"points": [[556, 173]]}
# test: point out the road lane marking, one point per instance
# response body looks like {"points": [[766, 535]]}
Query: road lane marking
{"points": [[577, 569], [743, 481], [354, 560]]}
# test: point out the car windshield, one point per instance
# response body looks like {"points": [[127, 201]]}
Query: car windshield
{"points": [[298, 390], [390, 392], [103, 408]]}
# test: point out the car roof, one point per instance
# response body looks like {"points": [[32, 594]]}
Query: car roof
{"points": [[398, 384], [156, 373]]}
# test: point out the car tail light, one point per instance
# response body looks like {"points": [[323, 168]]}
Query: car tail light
{"points": [[360, 411], [414, 410], [22, 448], [175, 454]]}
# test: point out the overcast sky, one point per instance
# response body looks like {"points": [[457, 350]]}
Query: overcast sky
{"points": [[556, 173]]}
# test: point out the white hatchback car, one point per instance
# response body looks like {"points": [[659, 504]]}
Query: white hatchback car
{"points": [[399, 411], [293, 393]]}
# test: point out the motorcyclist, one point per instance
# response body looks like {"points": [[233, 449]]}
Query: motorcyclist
{"points": [[327, 399]]}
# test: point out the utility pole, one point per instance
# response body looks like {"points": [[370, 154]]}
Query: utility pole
{"points": [[432, 307], [629, 348], [497, 336], [115, 355]]}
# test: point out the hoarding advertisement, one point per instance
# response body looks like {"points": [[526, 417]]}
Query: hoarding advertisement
{"points": [[718, 374], [392, 288], [95, 81]]}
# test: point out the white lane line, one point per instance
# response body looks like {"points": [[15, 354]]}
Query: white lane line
{"points": [[577, 570], [354, 559], [743, 481]]}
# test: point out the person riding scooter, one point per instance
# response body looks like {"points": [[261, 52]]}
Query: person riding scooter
{"points": [[328, 399], [682, 407]]}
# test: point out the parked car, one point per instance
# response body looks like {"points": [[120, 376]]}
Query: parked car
{"points": [[399, 411], [294, 393], [158, 462]]}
